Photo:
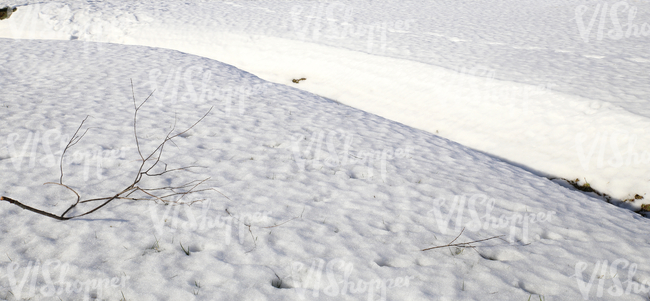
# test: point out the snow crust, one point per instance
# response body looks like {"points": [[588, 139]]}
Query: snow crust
{"points": [[342, 178]]}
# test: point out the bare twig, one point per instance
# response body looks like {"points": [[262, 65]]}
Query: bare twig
{"points": [[152, 158], [280, 224], [249, 225], [461, 244], [252, 236], [21, 205], [70, 144]]}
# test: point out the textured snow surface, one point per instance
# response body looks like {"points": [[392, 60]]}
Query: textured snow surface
{"points": [[552, 86], [319, 194]]}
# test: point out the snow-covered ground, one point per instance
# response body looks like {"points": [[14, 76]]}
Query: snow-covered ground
{"points": [[328, 188]]}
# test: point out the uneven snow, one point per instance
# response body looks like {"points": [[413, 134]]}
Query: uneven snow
{"points": [[320, 194]]}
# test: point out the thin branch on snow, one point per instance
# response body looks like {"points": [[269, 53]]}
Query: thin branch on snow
{"points": [[461, 244], [153, 158]]}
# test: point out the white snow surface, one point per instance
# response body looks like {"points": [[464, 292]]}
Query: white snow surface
{"points": [[520, 80], [342, 178]]}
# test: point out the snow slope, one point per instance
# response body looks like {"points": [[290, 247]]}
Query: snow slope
{"points": [[362, 194], [261, 155], [522, 80]]}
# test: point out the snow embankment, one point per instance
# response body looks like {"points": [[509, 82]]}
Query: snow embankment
{"points": [[544, 131]]}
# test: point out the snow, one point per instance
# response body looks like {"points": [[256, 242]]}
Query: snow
{"points": [[444, 117]]}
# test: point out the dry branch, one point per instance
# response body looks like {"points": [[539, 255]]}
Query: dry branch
{"points": [[152, 159], [461, 244]]}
